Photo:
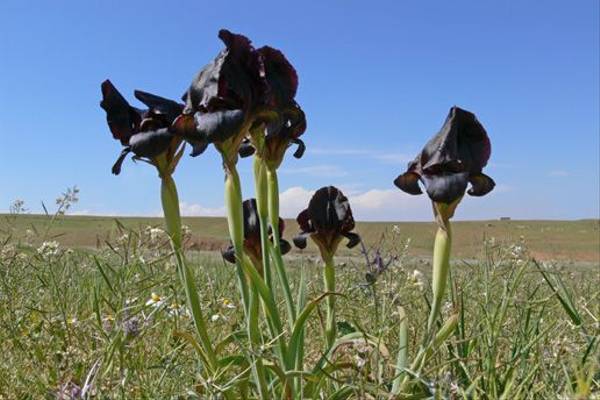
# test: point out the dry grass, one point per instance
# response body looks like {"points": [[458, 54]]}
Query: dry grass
{"points": [[572, 241]]}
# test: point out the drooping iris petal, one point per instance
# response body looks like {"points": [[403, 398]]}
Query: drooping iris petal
{"points": [[300, 149], [454, 157], [445, 187], [151, 143], [220, 125], [116, 168], [283, 131], [246, 149], [481, 184], [327, 220], [409, 182]]}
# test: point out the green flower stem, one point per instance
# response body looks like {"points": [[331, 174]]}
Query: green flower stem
{"points": [[425, 353], [170, 203], [235, 220], [262, 195], [402, 358], [329, 280], [258, 368], [441, 268], [258, 285], [273, 199]]}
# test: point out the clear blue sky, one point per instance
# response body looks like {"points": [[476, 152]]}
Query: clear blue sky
{"points": [[376, 81]]}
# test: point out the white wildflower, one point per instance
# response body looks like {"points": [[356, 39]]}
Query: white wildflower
{"points": [[156, 234], [418, 279], [130, 301], [49, 250], [155, 300], [177, 310], [228, 304]]}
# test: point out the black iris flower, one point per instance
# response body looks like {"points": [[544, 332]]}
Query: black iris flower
{"points": [[327, 220], [454, 157], [252, 245], [241, 89], [145, 133], [283, 121], [224, 97]]}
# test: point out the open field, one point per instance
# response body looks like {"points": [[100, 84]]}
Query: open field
{"points": [[87, 319], [104, 311], [569, 241]]}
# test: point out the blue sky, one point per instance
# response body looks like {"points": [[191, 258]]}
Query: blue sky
{"points": [[376, 81]]}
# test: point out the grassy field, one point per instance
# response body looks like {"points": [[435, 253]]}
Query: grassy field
{"points": [[568, 241], [104, 311]]}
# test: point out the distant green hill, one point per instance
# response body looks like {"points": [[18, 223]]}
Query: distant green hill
{"points": [[559, 240]]}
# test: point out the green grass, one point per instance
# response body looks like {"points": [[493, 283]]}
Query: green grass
{"points": [[577, 241], [81, 315]]}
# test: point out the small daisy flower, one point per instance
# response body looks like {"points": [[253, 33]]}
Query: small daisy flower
{"points": [[228, 304], [155, 300]]}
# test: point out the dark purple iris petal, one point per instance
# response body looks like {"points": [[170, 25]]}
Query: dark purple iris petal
{"points": [[281, 77], [123, 120], [151, 143], [454, 157], [445, 187], [159, 108], [246, 149], [219, 125]]}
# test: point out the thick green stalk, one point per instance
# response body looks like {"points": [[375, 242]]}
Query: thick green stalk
{"points": [[235, 220], [262, 197], [425, 353], [329, 280], [273, 198], [441, 267], [170, 203], [258, 368], [402, 358]]}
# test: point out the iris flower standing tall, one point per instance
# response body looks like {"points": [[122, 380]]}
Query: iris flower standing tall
{"points": [[327, 221], [228, 100], [221, 105], [146, 134], [451, 160], [279, 126]]}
